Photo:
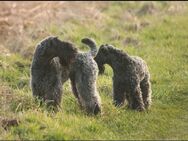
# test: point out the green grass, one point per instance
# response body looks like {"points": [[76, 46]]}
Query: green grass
{"points": [[164, 46]]}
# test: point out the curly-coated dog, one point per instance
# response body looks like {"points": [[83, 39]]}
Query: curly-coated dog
{"points": [[50, 57], [131, 78], [83, 75]]}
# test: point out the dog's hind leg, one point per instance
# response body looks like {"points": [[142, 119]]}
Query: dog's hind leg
{"points": [[136, 100]]}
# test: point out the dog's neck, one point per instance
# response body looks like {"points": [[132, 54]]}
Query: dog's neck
{"points": [[117, 59]]}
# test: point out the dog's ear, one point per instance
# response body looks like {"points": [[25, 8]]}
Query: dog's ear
{"points": [[103, 48], [55, 38], [111, 46]]}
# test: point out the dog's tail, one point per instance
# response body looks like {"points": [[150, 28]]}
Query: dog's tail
{"points": [[92, 44]]}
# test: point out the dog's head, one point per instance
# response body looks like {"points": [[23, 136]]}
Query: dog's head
{"points": [[102, 57], [92, 107], [53, 47], [66, 51]]}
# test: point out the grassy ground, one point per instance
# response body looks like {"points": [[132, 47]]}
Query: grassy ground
{"points": [[156, 31]]}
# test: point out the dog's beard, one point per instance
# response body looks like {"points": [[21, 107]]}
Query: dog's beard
{"points": [[101, 69]]}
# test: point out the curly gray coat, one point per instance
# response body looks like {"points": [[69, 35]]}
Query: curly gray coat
{"points": [[51, 57], [131, 79], [83, 75]]}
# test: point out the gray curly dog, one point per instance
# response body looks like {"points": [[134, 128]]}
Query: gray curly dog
{"points": [[83, 75], [131, 79], [50, 58]]}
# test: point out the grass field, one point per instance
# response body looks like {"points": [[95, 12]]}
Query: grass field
{"points": [[155, 31]]}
